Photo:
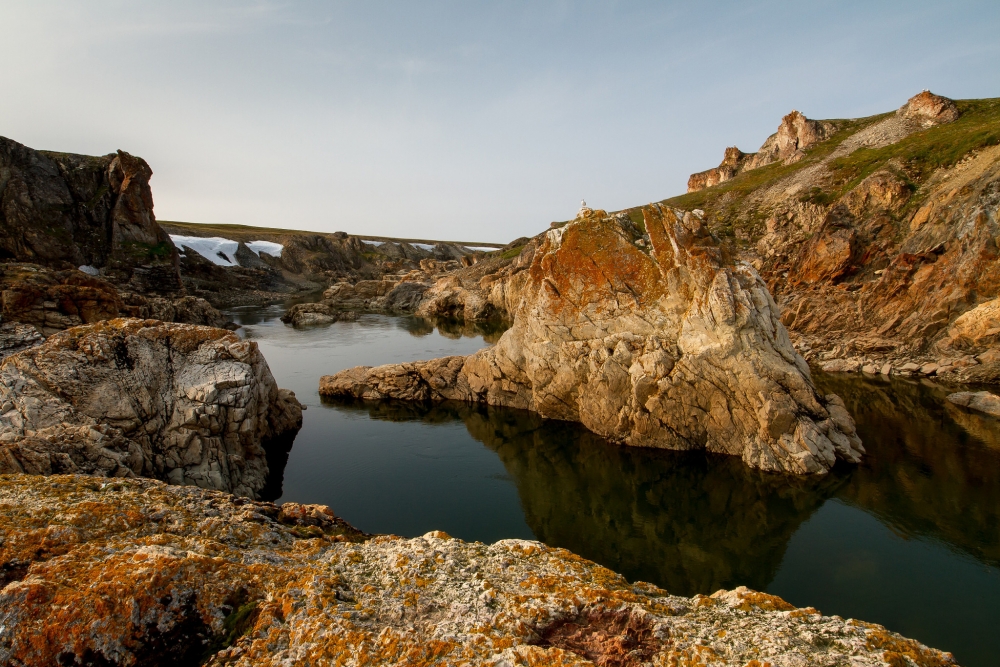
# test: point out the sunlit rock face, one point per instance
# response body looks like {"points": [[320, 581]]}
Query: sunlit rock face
{"points": [[655, 339], [127, 397], [136, 572]]}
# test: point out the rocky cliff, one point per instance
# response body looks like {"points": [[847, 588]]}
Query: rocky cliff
{"points": [[125, 572], [129, 397], [877, 236], [656, 340], [65, 211]]}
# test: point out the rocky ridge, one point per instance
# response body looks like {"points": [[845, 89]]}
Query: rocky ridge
{"points": [[655, 340], [217, 580], [128, 397], [877, 237]]}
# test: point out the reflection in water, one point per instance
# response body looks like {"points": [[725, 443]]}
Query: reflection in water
{"points": [[693, 522], [933, 469], [690, 522], [909, 538], [489, 330]]}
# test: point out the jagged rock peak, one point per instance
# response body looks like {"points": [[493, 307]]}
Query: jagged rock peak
{"points": [[929, 109]]}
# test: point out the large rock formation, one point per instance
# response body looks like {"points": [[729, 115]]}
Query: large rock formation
{"points": [[795, 134], [129, 397], [65, 211], [880, 244], [678, 347], [135, 572]]}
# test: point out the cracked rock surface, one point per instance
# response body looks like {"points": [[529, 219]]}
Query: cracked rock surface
{"points": [[674, 346], [125, 572], [129, 397]]}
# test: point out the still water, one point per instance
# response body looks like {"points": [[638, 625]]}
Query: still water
{"points": [[909, 539]]}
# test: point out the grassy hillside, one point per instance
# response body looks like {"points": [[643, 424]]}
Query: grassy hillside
{"points": [[914, 159]]}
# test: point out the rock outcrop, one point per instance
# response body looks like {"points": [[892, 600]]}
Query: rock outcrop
{"points": [[795, 134], [129, 397], [131, 572], [53, 300], [880, 243], [980, 401], [675, 347], [66, 211]]}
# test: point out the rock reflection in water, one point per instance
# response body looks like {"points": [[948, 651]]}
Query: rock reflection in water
{"points": [[933, 469], [686, 521], [489, 330], [694, 523]]}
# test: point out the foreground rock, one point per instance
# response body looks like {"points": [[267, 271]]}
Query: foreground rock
{"points": [[129, 397], [680, 348], [129, 572]]}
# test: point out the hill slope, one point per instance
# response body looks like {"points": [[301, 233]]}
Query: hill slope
{"points": [[878, 236]]}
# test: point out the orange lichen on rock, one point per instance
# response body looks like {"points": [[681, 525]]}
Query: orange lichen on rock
{"points": [[651, 341], [126, 572]]}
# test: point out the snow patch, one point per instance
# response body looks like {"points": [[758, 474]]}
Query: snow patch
{"points": [[89, 270], [423, 246], [215, 249], [272, 249]]}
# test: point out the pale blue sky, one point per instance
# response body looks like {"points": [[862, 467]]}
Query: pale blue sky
{"points": [[460, 120]]}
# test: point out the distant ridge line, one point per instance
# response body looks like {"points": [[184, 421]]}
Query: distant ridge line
{"points": [[244, 229]]}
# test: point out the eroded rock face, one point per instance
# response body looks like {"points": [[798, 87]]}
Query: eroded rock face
{"points": [[129, 397], [200, 577], [64, 210], [795, 134], [680, 348]]}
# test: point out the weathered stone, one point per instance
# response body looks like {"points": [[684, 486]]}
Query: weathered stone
{"points": [[680, 348], [195, 405], [841, 366], [65, 211], [129, 572], [886, 369], [981, 401]]}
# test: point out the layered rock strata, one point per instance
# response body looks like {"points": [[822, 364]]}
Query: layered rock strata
{"points": [[128, 397], [675, 347], [795, 134], [125, 572]]}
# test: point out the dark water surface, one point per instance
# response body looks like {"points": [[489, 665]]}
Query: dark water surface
{"points": [[910, 538]]}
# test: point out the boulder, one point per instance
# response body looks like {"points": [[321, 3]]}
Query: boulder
{"points": [[135, 572], [980, 401], [680, 348], [929, 109], [129, 397]]}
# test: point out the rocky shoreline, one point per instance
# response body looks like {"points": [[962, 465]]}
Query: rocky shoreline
{"points": [[213, 579]]}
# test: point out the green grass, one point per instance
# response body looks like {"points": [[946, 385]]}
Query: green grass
{"points": [[744, 184], [512, 253], [924, 152], [913, 159]]}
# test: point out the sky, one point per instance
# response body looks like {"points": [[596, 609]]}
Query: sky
{"points": [[464, 120]]}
